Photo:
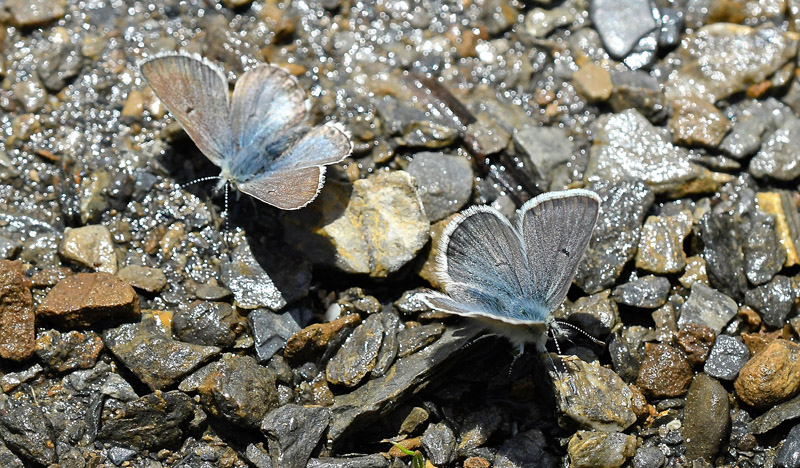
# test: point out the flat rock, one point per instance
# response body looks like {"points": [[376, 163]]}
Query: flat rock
{"points": [[593, 397], [616, 235], [723, 250], [708, 307], [314, 338], [373, 227], [542, 149], [661, 244], [764, 256], [593, 82], [771, 376], [789, 454], [24, 428], [144, 278], [647, 292], [293, 432], [697, 122], [752, 121], [365, 461], [154, 358], [17, 332], [775, 416], [444, 182], [154, 421], [587, 449], [706, 418], [439, 442], [84, 299], [411, 340], [358, 355], [90, 247], [773, 300], [271, 331], [721, 59]]}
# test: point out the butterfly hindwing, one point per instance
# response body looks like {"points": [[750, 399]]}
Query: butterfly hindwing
{"points": [[556, 228], [195, 91], [287, 190]]}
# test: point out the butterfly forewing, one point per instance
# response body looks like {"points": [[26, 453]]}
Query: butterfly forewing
{"points": [[556, 228], [196, 93], [482, 249]]}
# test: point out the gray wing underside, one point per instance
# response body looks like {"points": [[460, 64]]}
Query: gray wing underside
{"points": [[556, 228], [294, 179], [196, 93]]}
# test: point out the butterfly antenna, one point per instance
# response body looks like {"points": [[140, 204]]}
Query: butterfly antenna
{"points": [[225, 212], [579, 330], [517, 355], [192, 182], [552, 332]]}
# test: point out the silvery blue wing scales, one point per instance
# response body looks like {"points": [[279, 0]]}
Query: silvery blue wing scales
{"points": [[512, 278], [258, 137]]}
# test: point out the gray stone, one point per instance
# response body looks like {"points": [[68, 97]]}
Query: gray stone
{"points": [[525, 449], [789, 454], [119, 455], [648, 292], [25, 428], [640, 91], [439, 442], [357, 356], [706, 418], [596, 315], [774, 300], [723, 250], [708, 307], [144, 278], [542, 149], [390, 345], [670, 28], [208, 323], [61, 64], [649, 457], [752, 121], [366, 461], [616, 236], [271, 331], [210, 292], [775, 416], [153, 421], [9, 247], [727, 356], [622, 23], [411, 340], [293, 432], [444, 183], [764, 255], [778, 157], [414, 127]]}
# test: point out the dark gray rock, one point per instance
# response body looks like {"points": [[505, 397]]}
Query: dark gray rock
{"points": [[67, 351], [752, 121], [648, 292], [157, 360], [640, 91], [444, 182], [706, 418], [210, 292], [154, 421], [357, 356], [411, 340], [389, 345], [439, 442], [774, 300], [293, 432], [478, 426], [627, 351], [367, 461], [622, 23], [778, 157], [789, 454], [708, 307], [271, 331], [25, 428], [236, 388], [616, 236], [775, 416], [525, 449], [670, 28], [649, 457], [724, 253], [542, 149], [258, 456], [764, 255], [119, 455], [727, 357], [208, 323]]}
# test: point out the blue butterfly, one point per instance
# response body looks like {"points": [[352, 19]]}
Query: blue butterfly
{"points": [[509, 278], [258, 137]]}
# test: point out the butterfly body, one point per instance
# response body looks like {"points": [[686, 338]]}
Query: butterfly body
{"points": [[258, 137], [511, 278]]}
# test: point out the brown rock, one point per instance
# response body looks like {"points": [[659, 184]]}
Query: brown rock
{"points": [[771, 376], [73, 350], [665, 372], [315, 337], [476, 462], [17, 334], [86, 298], [593, 82], [30, 13], [696, 121], [696, 341]]}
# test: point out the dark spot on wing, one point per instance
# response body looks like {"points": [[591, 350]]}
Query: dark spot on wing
{"points": [[565, 251]]}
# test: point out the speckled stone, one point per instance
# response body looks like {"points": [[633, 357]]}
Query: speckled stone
{"points": [[696, 341], [357, 356], [647, 292], [314, 338], [664, 373], [697, 122], [589, 449], [17, 341], [151, 422], [771, 376], [293, 432], [727, 357], [444, 182], [87, 298], [89, 247], [68, 351], [777, 158], [661, 244]]}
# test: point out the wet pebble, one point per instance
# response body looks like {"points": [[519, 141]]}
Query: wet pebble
{"points": [[154, 358], [695, 341], [637, 90], [661, 244], [84, 299], [664, 372], [150, 422], [763, 254], [90, 247], [708, 307], [357, 356], [706, 418], [697, 122], [293, 432], [208, 323], [777, 157], [271, 331], [439, 442], [775, 416], [17, 340], [622, 23], [411, 340], [477, 427], [771, 376], [789, 454], [593, 397], [390, 345], [444, 182], [648, 292], [235, 388], [12, 380], [311, 340], [727, 357], [373, 227], [25, 428], [723, 251], [212, 292], [62, 352], [542, 149], [774, 300], [648, 457], [143, 278], [62, 62], [589, 449], [596, 315], [616, 236], [752, 121]]}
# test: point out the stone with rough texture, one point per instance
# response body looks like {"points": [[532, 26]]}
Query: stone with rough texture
{"points": [[588, 449], [695, 341], [789, 454], [444, 182], [357, 356], [775, 416], [764, 256], [697, 122], [271, 331], [24, 427], [648, 292], [525, 449], [17, 340], [664, 373], [661, 244], [293, 432], [154, 421], [771, 376], [84, 299], [373, 227], [724, 253], [67, 351], [706, 418], [774, 300], [89, 247], [439, 442], [727, 357], [144, 278], [208, 323], [778, 158], [622, 23], [542, 149], [708, 307], [314, 338]]}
